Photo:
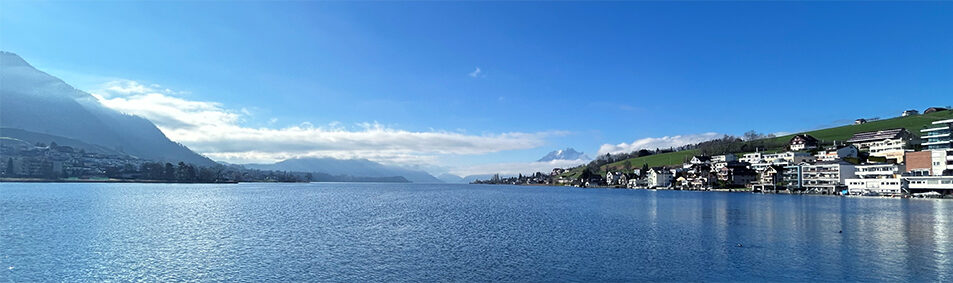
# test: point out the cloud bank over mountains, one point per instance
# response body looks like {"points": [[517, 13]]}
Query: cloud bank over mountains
{"points": [[662, 142], [217, 132]]}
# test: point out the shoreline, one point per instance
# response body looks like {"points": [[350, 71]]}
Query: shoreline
{"points": [[38, 180]]}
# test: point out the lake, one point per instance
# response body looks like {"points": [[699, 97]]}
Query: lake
{"points": [[356, 232]]}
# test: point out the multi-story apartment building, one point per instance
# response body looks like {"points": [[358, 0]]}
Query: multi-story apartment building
{"points": [[826, 177], [788, 157], [924, 184], [890, 144], [938, 135], [754, 157], [791, 177], [941, 162], [876, 179], [724, 158]]}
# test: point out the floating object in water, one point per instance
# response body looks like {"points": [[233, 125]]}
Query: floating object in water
{"points": [[840, 231], [739, 245]]}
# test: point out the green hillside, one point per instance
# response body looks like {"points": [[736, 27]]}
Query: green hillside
{"points": [[662, 159], [827, 136], [911, 123]]}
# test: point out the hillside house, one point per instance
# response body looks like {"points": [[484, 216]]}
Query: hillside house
{"points": [[803, 142], [890, 144]]}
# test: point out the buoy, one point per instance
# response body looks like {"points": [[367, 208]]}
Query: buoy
{"points": [[739, 245], [840, 231]]}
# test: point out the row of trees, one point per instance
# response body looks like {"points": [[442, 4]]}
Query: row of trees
{"points": [[183, 172]]}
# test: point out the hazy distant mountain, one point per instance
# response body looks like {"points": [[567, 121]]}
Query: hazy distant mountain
{"points": [[351, 167], [564, 154], [39, 103], [450, 178]]}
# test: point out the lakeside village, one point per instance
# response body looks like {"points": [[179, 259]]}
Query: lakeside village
{"points": [[889, 162], [40, 162]]}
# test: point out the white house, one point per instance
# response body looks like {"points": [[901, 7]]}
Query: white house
{"points": [[700, 159], [921, 184], [724, 158], [802, 142], [826, 177], [833, 154], [788, 157], [880, 179], [658, 177], [890, 144], [941, 161], [751, 158]]}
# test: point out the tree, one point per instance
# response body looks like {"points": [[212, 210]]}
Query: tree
{"points": [[169, 172], [645, 170], [9, 170]]}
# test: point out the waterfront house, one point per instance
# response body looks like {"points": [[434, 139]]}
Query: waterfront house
{"points": [[697, 177], [826, 177], [615, 178], [658, 177], [802, 142], [737, 176], [769, 178], [924, 184], [637, 183], [878, 179], [937, 136], [791, 177], [890, 144]]}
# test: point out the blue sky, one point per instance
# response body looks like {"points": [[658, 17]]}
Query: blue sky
{"points": [[569, 74]]}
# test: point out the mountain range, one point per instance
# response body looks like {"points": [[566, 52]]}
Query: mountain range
{"points": [[38, 107], [353, 167], [564, 154]]}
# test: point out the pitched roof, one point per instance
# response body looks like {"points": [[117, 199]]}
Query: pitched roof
{"points": [[807, 138], [878, 135]]}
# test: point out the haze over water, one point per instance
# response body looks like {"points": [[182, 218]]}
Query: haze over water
{"points": [[413, 232]]}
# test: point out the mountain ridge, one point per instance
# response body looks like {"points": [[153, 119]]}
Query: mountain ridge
{"points": [[351, 167], [564, 154], [38, 102]]}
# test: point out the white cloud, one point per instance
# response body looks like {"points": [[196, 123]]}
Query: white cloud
{"points": [[662, 142], [476, 73], [514, 168], [217, 132]]}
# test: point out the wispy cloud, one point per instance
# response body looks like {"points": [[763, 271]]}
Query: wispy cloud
{"points": [[660, 142], [217, 132], [476, 73]]}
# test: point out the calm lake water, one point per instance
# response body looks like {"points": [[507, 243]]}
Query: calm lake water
{"points": [[408, 232]]}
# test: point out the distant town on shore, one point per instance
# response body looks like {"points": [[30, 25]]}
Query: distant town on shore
{"points": [[906, 156]]}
